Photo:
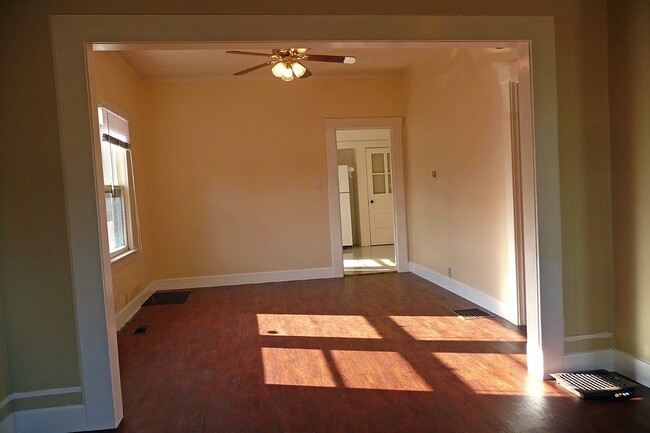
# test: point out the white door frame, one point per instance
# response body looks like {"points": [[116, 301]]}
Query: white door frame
{"points": [[92, 287], [394, 124], [508, 75]]}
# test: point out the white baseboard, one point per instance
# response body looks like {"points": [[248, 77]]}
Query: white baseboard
{"points": [[610, 359], [590, 360], [239, 279], [132, 307], [51, 420], [479, 298], [129, 311], [8, 425], [632, 367]]}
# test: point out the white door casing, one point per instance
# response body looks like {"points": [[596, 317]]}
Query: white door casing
{"points": [[380, 195], [540, 155]]}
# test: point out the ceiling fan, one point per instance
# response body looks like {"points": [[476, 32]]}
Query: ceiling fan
{"points": [[287, 63]]}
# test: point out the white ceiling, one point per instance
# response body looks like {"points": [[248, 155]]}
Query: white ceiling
{"points": [[181, 64]]}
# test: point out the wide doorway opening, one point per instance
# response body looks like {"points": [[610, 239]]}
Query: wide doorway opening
{"points": [[93, 285]]}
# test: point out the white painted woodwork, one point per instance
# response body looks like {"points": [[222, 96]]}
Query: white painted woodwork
{"points": [[509, 80], [539, 142], [380, 195]]}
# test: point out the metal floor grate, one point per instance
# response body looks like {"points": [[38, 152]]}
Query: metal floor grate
{"points": [[596, 384], [167, 298], [472, 313]]}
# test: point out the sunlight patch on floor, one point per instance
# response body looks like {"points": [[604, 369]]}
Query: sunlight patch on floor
{"points": [[296, 367], [377, 370], [451, 328], [495, 374], [361, 263], [313, 325]]}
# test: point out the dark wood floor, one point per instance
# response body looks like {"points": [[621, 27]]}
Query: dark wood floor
{"points": [[378, 353]]}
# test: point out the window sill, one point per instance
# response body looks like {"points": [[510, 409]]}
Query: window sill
{"points": [[124, 255]]}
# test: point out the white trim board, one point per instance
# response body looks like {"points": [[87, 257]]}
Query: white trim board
{"points": [[239, 279], [473, 295], [51, 420], [589, 360], [133, 307], [127, 313], [610, 359], [5, 401], [597, 336], [8, 425], [633, 367], [38, 393]]}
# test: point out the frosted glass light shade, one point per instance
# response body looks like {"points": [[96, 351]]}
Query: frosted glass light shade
{"points": [[287, 74], [279, 69], [298, 69]]}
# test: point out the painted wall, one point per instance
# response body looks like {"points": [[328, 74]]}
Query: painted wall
{"points": [[236, 162], [454, 126], [120, 88], [629, 33], [35, 276]]}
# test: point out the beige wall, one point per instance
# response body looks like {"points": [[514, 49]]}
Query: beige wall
{"points": [[237, 162], [454, 126], [629, 34], [35, 280], [119, 87]]}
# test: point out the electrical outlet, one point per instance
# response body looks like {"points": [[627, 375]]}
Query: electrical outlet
{"points": [[449, 271]]}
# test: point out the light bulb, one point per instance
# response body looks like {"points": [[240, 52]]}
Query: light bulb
{"points": [[279, 69], [287, 74], [298, 69]]}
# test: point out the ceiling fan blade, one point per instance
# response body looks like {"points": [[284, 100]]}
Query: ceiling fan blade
{"points": [[254, 68], [331, 59], [246, 53], [307, 74]]}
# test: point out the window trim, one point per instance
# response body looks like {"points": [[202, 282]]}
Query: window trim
{"points": [[127, 190]]}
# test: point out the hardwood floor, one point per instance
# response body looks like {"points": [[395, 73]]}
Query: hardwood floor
{"points": [[376, 353]]}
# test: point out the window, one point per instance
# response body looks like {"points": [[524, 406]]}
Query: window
{"points": [[114, 136]]}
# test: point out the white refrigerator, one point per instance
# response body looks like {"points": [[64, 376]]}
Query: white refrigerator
{"points": [[346, 208]]}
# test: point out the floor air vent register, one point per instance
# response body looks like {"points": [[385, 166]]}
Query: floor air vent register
{"points": [[167, 298], [472, 313], [597, 384]]}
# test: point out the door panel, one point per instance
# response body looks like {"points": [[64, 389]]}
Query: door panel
{"points": [[380, 195]]}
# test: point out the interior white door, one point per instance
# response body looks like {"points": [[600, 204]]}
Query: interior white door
{"points": [[380, 195]]}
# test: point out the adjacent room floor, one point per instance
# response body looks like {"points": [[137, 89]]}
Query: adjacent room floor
{"points": [[378, 353], [369, 260]]}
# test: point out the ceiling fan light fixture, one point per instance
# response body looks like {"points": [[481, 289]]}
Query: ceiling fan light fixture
{"points": [[279, 69], [287, 74], [301, 50], [298, 69], [349, 60]]}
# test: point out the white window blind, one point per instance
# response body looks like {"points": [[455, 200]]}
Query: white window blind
{"points": [[114, 129], [114, 136]]}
